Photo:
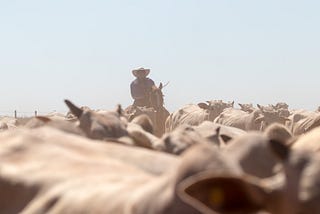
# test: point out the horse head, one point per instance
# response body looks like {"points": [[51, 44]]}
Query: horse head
{"points": [[156, 97]]}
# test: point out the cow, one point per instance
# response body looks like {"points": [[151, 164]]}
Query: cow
{"points": [[64, 125], [102, 125], [179, 140], [195, 114], [218, 134], [49, 171], [304, 153], [302, 121], [99, 126], [278, 194], [279, 132], [185, 136], [310, 141], [247, 107], [145, 122], [273, 116], [280, 105], [240, 119], [251, 151], [141, 137]]}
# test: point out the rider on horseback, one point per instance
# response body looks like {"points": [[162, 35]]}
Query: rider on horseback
{"points": [[141, 87]]}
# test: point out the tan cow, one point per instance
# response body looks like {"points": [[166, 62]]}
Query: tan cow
{"points": [[279, 132], [273, 116], [99, 126], [179, 140], [48, 171], [64, 125], [218, 134], [303, 122], [251, 151], [107, 124], [53, 166], [280, 105], [196, 114], [240, 119], [185, 136], [310, 141], [247, 107]]}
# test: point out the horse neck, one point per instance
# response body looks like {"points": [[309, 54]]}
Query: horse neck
{"points": [[156, 99]]}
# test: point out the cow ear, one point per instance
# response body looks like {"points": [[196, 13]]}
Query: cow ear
{"points": [[280, 149], [120, 110], [160, 86], [241, 105], [218, 130], [260, 107], [232, 104], [226, 138], [222, 194], [74, 109], [43, 119], [203, 105]]}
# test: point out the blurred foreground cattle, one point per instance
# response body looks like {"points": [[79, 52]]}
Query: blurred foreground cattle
{"points": [[48, 171]]}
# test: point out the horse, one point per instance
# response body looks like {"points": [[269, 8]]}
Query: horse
{"points": [[155, 110]]}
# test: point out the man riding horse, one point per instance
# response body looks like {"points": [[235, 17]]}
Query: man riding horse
{"points": [[148, 99], [141, 87]]}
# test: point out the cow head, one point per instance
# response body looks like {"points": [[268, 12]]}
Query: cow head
{"points": [[215, 107], [180, 139], [99, 126], [213, 192], [247, 107], [281, 105], [273, 116]]}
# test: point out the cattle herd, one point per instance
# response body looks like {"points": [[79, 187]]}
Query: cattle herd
{"points": [[210, 157]]}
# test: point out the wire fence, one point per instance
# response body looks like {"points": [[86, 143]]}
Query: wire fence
{"points": [[16, 113]]}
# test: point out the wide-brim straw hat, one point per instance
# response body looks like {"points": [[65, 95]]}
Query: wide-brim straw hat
{"points": [[135, 72]]}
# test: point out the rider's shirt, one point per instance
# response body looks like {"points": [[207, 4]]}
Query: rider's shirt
{"points": [[140, 88]]}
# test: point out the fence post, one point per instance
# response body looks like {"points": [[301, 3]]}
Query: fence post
{"points": [[35, 113], [15, 113]]}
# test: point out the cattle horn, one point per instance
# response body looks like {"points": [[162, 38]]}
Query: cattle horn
{"points": [[160, 86], [218, 130], [74, 109]]}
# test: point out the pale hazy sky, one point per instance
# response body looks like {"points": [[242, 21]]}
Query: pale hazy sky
{"points": [[244, 50]]}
